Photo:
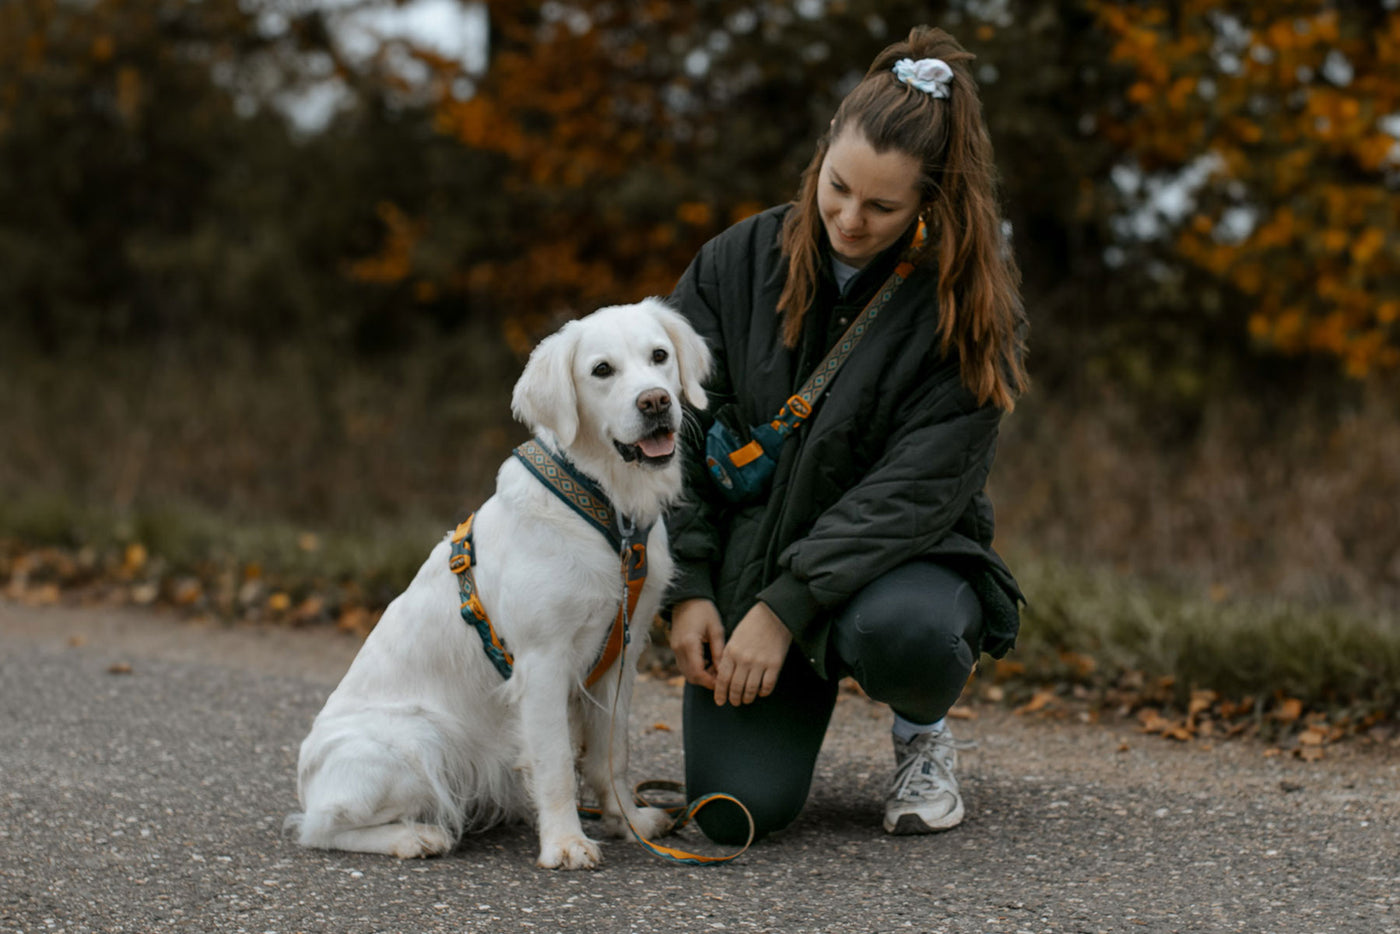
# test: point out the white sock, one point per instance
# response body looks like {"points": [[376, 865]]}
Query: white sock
{"points": [[905, 730]]}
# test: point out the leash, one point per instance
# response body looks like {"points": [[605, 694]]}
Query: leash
{"points": [[584, 496], [680, 814]]}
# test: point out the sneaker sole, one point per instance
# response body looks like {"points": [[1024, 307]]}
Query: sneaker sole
{"points": [[909, 824]]}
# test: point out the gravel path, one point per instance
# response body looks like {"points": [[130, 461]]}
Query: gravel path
{"points": [[146, 765]]}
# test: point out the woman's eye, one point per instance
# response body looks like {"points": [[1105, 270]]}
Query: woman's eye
{"points": [[603, 370], [659, 355]]}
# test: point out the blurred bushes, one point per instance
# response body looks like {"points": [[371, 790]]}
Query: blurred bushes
{"points": [[199, 302]]}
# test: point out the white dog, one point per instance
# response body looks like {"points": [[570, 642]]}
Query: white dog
{"points": [[424, 739]]}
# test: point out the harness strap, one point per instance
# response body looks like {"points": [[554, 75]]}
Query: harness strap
{"points": [[474, 613], [578, 490], [585, 498]]}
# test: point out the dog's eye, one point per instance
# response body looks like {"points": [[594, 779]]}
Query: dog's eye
{"points": [[659, 355], [603, 370]]}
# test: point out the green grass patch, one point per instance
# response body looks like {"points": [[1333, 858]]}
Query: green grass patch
{"points": [[1338, 656]]}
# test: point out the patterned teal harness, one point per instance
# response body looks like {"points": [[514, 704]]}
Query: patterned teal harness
{"points": [[584, 497]]}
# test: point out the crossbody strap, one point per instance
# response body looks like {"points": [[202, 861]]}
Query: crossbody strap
{"points": [[799, 406]]}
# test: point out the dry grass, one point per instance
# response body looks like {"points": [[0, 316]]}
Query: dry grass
{"points": [[1302, 507], [1251, 555]]}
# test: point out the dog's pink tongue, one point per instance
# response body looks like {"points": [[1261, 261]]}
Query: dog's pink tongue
{"points": [[658, 447]]}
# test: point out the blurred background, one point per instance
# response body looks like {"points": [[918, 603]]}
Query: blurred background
{"points": [[268, 269]]}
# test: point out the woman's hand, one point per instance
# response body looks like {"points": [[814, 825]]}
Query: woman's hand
{"points": [[695, 624], [748, 668]]}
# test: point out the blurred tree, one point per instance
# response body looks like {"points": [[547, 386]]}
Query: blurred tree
{"points": [[630, 133], [1264, 142], [148, 190]]}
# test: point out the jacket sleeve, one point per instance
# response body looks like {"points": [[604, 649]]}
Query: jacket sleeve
{"points": [[693, 524], [907, 503]]}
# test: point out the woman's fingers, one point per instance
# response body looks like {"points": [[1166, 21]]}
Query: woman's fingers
{"points": [[695, 624], [753, 658]]}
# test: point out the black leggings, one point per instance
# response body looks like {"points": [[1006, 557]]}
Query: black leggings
{"points": [[908, 638]]}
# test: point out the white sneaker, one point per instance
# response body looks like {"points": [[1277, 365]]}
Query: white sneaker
{"points": [[924, 791]]}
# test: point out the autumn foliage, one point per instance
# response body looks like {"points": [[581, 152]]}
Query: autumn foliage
{"points": [[1293, 108]]}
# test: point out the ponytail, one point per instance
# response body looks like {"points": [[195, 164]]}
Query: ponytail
{"points": [[980, 314]]}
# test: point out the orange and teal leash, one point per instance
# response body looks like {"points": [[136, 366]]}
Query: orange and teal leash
{"points": [[682, 814]]}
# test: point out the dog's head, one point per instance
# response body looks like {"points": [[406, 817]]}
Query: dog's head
{"points": [[610, 385]]}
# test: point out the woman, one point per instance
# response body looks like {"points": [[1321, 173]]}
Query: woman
{"points": [[869, 551]]}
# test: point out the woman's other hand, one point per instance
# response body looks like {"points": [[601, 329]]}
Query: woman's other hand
{"points": [[748, 668], [695, 626]]}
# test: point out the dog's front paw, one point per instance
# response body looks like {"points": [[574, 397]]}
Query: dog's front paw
{"points": [[569, 853], [651, 823]]}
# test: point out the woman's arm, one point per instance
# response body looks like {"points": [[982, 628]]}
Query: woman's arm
{"points": [[933, 464]]}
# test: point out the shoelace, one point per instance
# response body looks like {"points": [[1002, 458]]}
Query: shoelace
{"points": [[935, 748]]}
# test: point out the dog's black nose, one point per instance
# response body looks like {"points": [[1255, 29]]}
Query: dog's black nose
{"points": [[654, 402]]}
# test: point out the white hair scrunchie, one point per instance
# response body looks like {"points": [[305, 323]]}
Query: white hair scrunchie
{"points": [[930, 75]]}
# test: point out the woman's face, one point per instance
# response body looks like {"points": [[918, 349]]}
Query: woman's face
{"points": [[866, 199]]}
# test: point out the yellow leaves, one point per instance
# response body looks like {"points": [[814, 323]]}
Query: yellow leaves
{"points": [[1141, 92], [1296, 127], [1367, 246], [1335, 240]]}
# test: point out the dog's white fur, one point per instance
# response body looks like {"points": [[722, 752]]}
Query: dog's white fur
{"points": [[423, 739]]}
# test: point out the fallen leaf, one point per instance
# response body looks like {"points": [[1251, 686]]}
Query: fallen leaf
{"points": [[1082, 665], [134, 559], [119, 668], [1039, 701], [664, 728], [1288, 710], [355, 619], [186, 590], [309, 610], [962, 713], [1004, 669], [1201, 701], [1313, 736]]}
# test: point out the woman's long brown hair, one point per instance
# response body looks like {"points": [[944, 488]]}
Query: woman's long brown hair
{"points": [[980, 315]]}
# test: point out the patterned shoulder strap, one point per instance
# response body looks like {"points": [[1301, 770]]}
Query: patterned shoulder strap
{"points": [[576, 489]]}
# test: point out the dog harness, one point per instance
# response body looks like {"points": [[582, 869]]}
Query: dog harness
{"points": [[584, 497]]}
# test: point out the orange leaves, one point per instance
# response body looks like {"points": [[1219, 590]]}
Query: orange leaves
{"points": [[131, 575], [1297, 102]]}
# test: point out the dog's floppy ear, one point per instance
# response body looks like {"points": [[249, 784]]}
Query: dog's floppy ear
{"points": [[692, 355], [544, 396]]}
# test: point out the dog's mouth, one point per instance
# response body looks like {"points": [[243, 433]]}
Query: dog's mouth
{"points": [[654, 450]]}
